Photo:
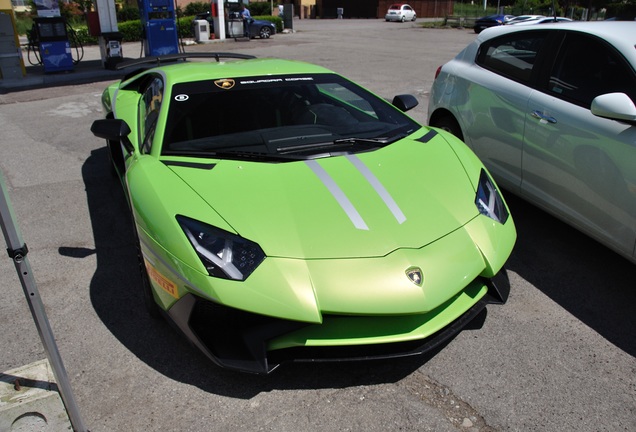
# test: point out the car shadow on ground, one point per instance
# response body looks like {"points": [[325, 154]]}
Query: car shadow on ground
{"points": [[116, 297], [588, 280]]}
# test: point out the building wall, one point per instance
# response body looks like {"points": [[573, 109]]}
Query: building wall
{"points": [[378, 8], [302, 8]]}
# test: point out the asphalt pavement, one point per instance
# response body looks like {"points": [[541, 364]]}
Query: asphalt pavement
{"points": [[560, 355]]}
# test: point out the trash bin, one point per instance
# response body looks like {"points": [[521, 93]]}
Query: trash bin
{"points": [[201, 30]]}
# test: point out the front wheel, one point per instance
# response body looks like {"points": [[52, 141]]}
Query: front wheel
{"points": [[449, 124], [265, 32]]}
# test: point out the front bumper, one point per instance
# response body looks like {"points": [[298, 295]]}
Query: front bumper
{"points": [[255, 343]]}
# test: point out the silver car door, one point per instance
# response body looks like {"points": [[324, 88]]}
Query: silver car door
{"points": [[576, 165], [496, 101]]}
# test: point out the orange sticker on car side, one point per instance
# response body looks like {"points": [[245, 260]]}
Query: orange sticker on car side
{"points": [[164, 283]]}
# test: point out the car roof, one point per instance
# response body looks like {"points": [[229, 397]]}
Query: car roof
{"points": [[540, 20], [494, 16], [525, 17], [189, 71], [621, 34]]}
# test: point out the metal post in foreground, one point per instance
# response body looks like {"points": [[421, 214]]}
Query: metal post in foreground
{"points": [[17, 252]]}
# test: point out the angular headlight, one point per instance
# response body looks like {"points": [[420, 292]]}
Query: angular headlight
{"points": [[489, 201], [224, 255]]}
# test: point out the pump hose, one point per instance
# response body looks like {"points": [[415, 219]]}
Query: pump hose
{"points": [[33, 46], [76, 43]]}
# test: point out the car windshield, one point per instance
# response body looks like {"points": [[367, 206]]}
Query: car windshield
{"points": [[279, 118]]}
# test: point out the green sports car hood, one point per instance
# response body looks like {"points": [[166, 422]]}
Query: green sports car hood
{"points": [[405, 195]]}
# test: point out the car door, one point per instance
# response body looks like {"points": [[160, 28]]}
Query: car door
{"points": [[408, 12], [149, 109], [496, 96], [575, 164]]}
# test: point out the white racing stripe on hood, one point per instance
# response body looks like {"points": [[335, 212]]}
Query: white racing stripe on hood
{"points": [[379, 188], [338, 194], [345, 203]]}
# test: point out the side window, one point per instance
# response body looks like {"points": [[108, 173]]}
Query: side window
{"points": [[587, 67], [512, 56], [149, 107]]}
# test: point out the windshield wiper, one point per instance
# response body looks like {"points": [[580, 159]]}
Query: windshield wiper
{"points": [[380, 140], [340, 142], [356, 140], [238, 154], [368, 143], [256, 156]]}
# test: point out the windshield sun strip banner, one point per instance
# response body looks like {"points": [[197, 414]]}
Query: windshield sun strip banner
{"points": [[238, 83]]}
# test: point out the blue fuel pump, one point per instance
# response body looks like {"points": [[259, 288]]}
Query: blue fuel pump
{"points": [[158, 19], [53, 43]]}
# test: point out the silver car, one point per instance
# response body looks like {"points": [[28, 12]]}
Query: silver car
{"points": [[550, 111]]}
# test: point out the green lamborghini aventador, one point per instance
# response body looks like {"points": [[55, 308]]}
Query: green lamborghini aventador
{"points": [[284, 213]]}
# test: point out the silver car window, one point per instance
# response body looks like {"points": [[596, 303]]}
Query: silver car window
{"points": [[587, 67], [512, 56]]}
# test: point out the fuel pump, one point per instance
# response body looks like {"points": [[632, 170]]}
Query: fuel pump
{"points": [[103, 24], [159, 24], [50, 36]]}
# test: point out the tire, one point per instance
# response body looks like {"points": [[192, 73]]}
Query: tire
{"points": [[403, 18], [265, 32], [448, 124], [414, 17]]}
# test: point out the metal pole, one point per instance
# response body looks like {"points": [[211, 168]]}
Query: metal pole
{"points": [[17, 250]]}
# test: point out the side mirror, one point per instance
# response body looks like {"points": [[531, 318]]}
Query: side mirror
{"points": [[405, 102], [113, 130], [614, 106]]}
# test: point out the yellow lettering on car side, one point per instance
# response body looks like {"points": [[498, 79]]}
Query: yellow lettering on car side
{"points": [[164, 283]]}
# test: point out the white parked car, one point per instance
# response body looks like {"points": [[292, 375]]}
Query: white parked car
{"points": [[400, 12], [521, 18], [543, 20], [550, 111]]}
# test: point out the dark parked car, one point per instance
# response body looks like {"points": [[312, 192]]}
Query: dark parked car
{"points": [[491, 21]]}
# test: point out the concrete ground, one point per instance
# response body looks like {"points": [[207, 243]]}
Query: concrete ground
{"points": [[560, 355]]}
